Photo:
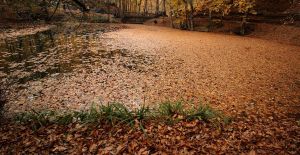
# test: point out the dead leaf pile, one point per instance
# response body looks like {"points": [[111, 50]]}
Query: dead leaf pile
{"points": [[157, 138]]}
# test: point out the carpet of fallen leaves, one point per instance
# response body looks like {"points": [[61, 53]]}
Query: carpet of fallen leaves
{"points": [[157, 138], [255, 81]]}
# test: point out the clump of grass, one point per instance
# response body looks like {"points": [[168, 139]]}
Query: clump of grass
{"points": [[142, 113], [170, 109], [90, 116], [115, 113], [172, 112], [202, 112], [38, 119]]}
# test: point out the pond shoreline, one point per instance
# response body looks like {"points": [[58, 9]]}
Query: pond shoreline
{"points": [[18, 32], [33, 65], [11, 30]]}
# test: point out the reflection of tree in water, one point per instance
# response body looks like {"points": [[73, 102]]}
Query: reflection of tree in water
{"points": [[31, 53], [38, 9], [21, 48], [54, 51]]}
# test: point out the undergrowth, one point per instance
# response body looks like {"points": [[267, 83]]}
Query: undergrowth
{"points": [[168, 112]]}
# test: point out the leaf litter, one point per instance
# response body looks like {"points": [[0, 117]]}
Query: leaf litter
{"points": [[125, 66]]}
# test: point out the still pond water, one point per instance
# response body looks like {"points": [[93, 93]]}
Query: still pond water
{"points": [[58, 50]]}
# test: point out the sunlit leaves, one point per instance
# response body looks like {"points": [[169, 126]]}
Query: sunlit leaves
{"points": [[245, 6]]}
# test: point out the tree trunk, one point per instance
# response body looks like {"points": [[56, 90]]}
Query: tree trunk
{"points": [[164, 7], [140, 5], [171, 15], [146, 7], [191, 17], [129, 6], [151, 6], [186, 23], [157, 7], [243, 24], [121, 8], [136, 6]]}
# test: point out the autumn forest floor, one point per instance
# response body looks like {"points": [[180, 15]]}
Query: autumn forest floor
{"points": [[254, 81]]}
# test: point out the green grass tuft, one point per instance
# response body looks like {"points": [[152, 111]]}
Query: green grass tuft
{"points": [[202, 112], [169, 112], [170, 109]]}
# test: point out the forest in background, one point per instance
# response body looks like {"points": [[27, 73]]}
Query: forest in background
{"points": [[181, 12]]}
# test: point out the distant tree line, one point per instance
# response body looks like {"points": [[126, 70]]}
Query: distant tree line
{"points": [[181, 12]]}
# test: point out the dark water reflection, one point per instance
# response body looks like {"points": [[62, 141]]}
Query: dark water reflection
{"points": [[54, 51]]}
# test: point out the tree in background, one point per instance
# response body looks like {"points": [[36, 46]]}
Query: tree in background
{"points": [[164, 7], [191, 14], [219, 7], [245, 7], [157, 7], [181, 13], [146, 7]]}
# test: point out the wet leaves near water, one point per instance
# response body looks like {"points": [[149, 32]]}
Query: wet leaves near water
{"points": [[42, 63]]}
